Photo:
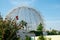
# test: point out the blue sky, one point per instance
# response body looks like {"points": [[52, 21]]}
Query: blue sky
{"points": [[50, 10]]}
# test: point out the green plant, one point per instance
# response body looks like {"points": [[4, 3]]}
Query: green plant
{"points": [[41, 38], [8, 30], [49, 38], [28, 38], [40, 29]]}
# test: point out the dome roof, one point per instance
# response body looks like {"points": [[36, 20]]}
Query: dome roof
{"points": [[30, 15]]}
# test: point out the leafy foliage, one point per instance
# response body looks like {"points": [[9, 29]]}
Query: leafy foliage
{"points": [[8, 29], [28, 38], [40, 29], [52, 32], [41, 38]]}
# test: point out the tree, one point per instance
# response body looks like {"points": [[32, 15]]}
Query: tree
{"points": [[40, 28], [48, 32], [8, 30], [59, 33], [27, 38], [52, 32], [23, 24]]}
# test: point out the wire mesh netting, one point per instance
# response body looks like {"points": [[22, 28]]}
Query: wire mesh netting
{"points": [[29, 15]]}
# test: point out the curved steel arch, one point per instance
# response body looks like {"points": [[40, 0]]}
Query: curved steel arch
{"points": [[27, 14]]}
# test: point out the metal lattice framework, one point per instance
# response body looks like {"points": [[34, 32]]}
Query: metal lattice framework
{"points": [[30, 15]]}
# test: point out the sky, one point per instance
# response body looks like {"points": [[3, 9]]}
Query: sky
{"points": [[49, 9]]}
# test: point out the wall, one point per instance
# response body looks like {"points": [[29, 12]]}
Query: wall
{"points": [[52, 37]]}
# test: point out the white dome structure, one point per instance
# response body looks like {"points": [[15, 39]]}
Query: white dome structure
{"points": [[29, 15]]}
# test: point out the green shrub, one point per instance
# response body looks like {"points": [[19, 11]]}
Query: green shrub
{"points": [[41, 38], [28, 38]]}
